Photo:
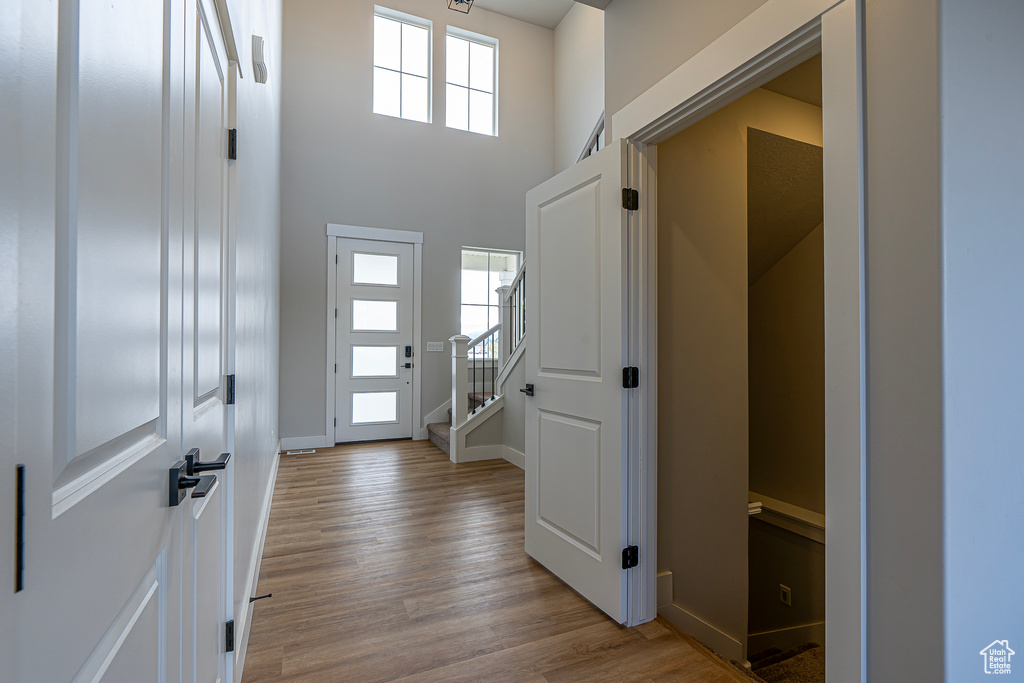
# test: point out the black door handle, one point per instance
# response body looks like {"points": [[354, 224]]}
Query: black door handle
{"points": [[192, 464], [179, 482], [528, 390]]}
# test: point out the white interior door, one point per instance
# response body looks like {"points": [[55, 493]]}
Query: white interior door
{"points": [[374, 340], [576, 420], [99, 342], [206, 418]]}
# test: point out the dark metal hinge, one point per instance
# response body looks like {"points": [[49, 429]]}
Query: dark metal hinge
{"points": [[233, 144], [630, 377], [335, 422], [630, 556], [19, 532], [630, 199], [229, 636], [230, 398]]}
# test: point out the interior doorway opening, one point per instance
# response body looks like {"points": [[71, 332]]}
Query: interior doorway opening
{"points": [[741, 417]]}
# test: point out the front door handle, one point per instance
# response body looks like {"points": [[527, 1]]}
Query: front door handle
{"points": [[193, 465], [528, 390]]}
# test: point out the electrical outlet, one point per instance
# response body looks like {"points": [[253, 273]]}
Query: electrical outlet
{"points": [[435, 346], [785, 595]]}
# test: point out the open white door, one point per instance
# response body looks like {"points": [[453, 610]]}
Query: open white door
{"points": [[576, 420]]}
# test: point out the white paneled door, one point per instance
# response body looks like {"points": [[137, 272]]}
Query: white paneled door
{"points": [[576, 418], [121, 326], [374, 333]]}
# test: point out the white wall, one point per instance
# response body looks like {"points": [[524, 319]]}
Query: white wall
{"points": [[982, 174], [645, 40], [256, 175], [343, 164], [579, 81]]}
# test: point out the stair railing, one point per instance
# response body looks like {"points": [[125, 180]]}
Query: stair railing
{"points": [[514, 310]]}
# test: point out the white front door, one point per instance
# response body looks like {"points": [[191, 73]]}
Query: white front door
{"points": [[374, 332], [576, 419], [98, 394], [207, 421]]}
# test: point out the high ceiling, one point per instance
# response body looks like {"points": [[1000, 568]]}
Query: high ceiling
{"points": [[546, 13]]}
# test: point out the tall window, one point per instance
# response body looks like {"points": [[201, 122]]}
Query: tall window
{"points": [[483, 271], [401, 65], [470, 93]]}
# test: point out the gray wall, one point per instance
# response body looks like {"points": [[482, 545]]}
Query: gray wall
{"points": [[343, 164], [579, 81], [702, 316], [257, 178], [982, 166], [905, 576], [645, 40]]}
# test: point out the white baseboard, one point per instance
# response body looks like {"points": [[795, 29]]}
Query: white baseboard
{"points": [[242, 630], [296, 443], [438, 414], [515, 457], [786, 638], [475, 453], [664, 589], [722, 643]]}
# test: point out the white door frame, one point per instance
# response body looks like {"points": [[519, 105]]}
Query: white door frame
{"points": [[334, 232], [771, 40]]}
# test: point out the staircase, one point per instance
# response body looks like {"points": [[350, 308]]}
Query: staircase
{"points": [[480, 369]]}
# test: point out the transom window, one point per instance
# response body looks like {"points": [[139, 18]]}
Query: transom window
{"points": [[401, 65], [470, 93]]}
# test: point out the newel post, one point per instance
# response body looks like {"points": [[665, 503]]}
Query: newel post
{"points": [[504, 318], [460, 379]]}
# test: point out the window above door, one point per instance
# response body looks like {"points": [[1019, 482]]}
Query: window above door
{"points": [[401, 65]]}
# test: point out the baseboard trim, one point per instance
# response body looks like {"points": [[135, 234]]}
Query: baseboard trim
{"points": [[515, 457], [242, 630], [785, 638], [477, 453], [722, 643], [295, 443]]}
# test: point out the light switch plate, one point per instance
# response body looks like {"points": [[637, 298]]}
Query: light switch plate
{"points": [[435, 346]]}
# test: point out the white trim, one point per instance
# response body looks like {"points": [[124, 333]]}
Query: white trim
{"points": [[458, 451], [379, 234], [331, 410], [775, 37], [438, 414], [515, 457], [417, 338], [785, 638], [719, 641], [478, 453], [510, 364], [771, 40], [79, 488], [295, 443], [793, 518], [244, 620]]}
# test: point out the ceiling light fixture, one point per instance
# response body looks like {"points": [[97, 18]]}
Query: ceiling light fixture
{"points": [[460, 5]]}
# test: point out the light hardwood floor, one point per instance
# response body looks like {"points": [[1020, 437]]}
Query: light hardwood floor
{"points": [[389, 563]]}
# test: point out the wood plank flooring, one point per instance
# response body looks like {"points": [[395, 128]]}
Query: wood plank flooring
{"points": [[389, 563]]}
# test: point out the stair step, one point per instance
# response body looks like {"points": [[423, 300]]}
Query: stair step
{"points": [[439, 435]]}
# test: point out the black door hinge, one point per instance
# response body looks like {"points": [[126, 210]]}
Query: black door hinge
{"points": [[630, 556], [630, 377], [335, 422], [230, 397], [19, 532], [233, 144], [630, 199], [229, 636]]}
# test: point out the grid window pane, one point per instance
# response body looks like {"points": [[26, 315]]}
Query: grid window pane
{"points": [[474, 320], [474, 287], [374, 361], [457, 107], [415, 50], [374, 406], [374, 269], [481, 112], [481, 67], [415, 97], [387, 92], [457, 61], [387, 43], [374, 316]]}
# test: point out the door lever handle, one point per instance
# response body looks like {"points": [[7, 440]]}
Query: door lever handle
{"points": [[179, 482], [528, 390], [193, 465]]}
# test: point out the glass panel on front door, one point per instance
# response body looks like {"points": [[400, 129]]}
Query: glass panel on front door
{"points": [[374, 407], [374, 316], [374, 361], [374, 269]]}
